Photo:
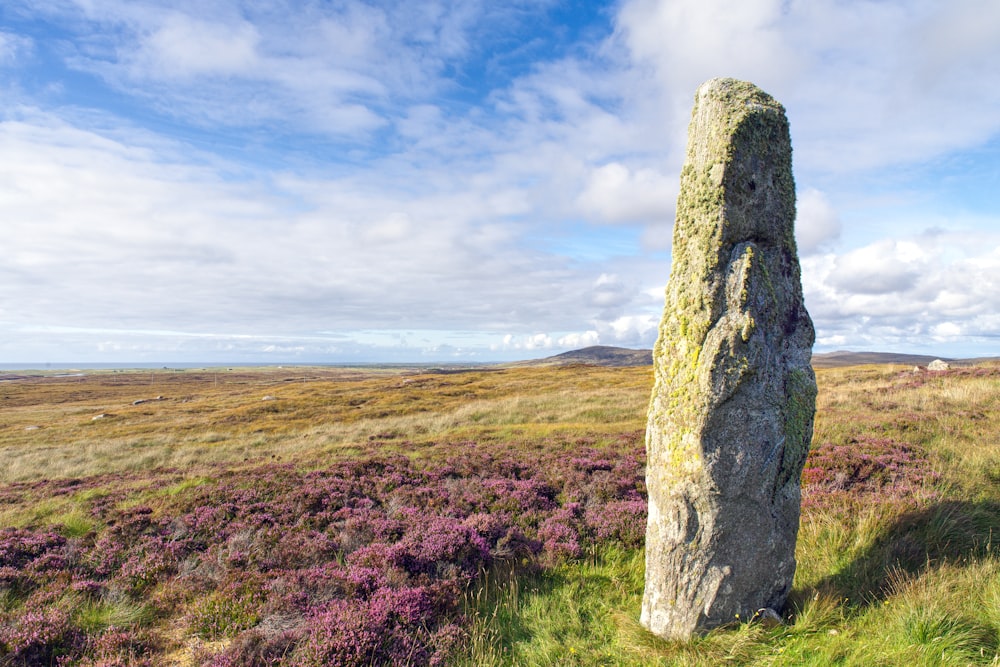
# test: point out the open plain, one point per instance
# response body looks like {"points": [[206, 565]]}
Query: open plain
{"points": [[485, 516]]}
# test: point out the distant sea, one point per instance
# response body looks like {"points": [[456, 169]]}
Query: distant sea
{"points": [[154, 365], [59, 366]]}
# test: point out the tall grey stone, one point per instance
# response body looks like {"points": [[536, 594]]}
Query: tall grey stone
{"points": [[731, 415]]}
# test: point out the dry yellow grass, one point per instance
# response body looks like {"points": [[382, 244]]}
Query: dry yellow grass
{"points": [[48, 428], [954, 415]]}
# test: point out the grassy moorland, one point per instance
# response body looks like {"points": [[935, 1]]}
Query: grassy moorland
{"points": [[489, 517]]}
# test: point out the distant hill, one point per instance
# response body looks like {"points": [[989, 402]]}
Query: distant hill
{"points": [[843, 358], [598, 355], [606, 355]]}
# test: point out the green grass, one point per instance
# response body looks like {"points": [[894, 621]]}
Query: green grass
{"points": [[570, 615], [97, 615], [586, 614]]}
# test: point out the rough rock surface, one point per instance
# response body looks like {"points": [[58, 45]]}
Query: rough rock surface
{"points": [[731, 415]]}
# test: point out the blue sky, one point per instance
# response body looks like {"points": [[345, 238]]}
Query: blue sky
{"points": [[307, 180]]}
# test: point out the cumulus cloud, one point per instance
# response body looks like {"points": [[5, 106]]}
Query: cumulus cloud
{"points": [[610, 293], [576, 341], [816, 223], [707, 37], [615, 193], [630, 330], [531, 342], [867, 86], [886, 267], [635, 331], [907, 293]]}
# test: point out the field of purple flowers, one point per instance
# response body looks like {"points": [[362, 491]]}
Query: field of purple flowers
{"points": [[866, 468], [362, 562]]}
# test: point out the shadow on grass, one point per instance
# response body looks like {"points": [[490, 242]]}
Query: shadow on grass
{"points": [[946, 532]]}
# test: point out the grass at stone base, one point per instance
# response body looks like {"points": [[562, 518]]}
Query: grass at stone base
{"points": [[587, 614], [898, 568], [584, 615]]}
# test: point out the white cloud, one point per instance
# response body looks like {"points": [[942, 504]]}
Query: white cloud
{"points": [[396, 228], [885, 267], [907, 293], [615, 193], [946, 331], [816, 224], [553, 342], [186, 47], [576, 341], [866, 84], [538, 342], [610, 294], [953, 36], [690, 41], [630, 330], [530, 342], [658, 236], [107, 230], [330, 69], [13, 47]]}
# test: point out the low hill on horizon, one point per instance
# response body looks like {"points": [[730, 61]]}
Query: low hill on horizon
{"points": [[842, 358], [607, 355], [597, 355]]}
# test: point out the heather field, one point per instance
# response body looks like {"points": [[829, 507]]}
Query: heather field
{"points": [[484, 517]]}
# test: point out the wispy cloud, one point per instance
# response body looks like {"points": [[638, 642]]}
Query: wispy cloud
{"points": [[13, 47]]}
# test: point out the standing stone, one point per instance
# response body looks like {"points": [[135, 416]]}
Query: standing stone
{"points": [[731, 416]]}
